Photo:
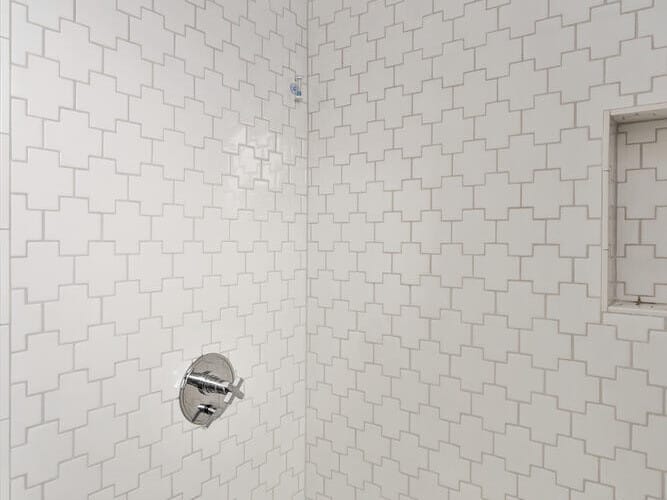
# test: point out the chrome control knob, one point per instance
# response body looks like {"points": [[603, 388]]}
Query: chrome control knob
{"points": [[208, 388]]}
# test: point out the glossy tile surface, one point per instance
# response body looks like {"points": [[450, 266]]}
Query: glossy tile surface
{"points": [[457, 348], [404, 267], [158, 196]]}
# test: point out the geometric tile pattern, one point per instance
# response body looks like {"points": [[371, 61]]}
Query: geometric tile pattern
{"points": [[158, 211], [417, 318], [641, 267], [456, 346]]}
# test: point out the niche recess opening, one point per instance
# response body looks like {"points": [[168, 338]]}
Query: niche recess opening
{"points": [[634, 210]]}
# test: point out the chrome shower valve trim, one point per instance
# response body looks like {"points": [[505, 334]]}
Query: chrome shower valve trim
{"points": [[208, 387]]}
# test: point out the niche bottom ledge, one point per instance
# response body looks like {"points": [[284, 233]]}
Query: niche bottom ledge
{"points": [[629, 307]]}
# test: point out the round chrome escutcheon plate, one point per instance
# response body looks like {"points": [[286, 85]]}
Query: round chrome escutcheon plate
{"points": [[202, 407]]}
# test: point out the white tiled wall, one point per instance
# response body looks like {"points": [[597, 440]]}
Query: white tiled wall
{"points": [[450, 241], [158, 198], [456, 347], [641, 239]]}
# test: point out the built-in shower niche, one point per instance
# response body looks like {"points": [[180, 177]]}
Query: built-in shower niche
{"points": [[635, 210]]}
